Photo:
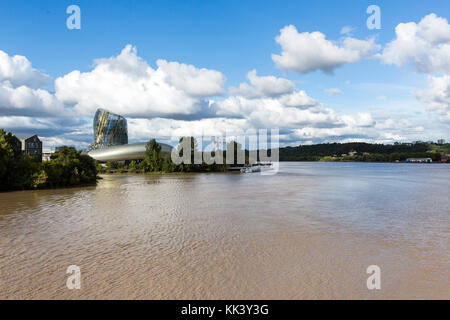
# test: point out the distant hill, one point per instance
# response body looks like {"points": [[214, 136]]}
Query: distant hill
{"points": [[358, 151]]}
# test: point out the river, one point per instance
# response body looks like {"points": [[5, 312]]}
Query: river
{"points": [[308, 232]]}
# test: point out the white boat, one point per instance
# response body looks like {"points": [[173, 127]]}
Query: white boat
{"points": [[257, 167]]}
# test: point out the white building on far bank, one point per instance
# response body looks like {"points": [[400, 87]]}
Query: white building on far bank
{"points": [[46, 154]]}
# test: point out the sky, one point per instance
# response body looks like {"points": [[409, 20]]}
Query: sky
{"points": [[314, 70]]}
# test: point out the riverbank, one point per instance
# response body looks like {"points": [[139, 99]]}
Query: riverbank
{"points": [[161, 173], [364, 152], [66, 168]]}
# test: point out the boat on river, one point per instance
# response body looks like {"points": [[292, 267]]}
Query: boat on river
{"points": [[257, 167]]}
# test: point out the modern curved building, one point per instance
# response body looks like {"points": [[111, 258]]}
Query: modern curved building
{"points": [[109, 129], [111, 139], [133, 151]]}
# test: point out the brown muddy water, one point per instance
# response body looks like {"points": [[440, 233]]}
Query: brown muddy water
{"points": [[308, 232]]}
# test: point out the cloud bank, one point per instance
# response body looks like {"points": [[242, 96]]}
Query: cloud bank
{"points": [[127, 85], [172, 99], [425, 46]]}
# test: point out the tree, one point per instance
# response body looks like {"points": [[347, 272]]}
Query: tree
{"points": [[168, 165], [6, 154], [132, 166], [190, 145], [153, 159], [100, 168], [111, 165], [17, 171], [69, 167]]}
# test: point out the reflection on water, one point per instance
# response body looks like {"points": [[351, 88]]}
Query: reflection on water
{"points": [[308, 232]]}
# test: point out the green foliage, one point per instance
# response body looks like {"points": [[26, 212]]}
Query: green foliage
{"points": [[24, 171], [194, 153], [153, 159], [16, 171], [132, 166], [363, 152], [440, 148], [168, 165], [376, 157], [100, 168], [156, 162], [6, 154], [67, 167], [111, 165]]}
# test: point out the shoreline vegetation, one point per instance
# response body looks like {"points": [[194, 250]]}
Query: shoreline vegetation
{"points": [[156, 162], [365, 152], [68, 167]]}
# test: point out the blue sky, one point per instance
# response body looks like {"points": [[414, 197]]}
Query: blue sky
{"points": [[233, 38]]}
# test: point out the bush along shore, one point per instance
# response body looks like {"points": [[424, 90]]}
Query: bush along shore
{"points": [[157, 162], [67, 167]]}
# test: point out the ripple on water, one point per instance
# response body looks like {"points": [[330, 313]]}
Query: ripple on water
{"points": [[308, 232]]}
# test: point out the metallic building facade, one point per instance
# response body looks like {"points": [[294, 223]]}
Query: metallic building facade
{"points": [[109, 130], [134, 151], [111, 139]]}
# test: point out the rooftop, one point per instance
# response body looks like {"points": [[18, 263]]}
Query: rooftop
{"points": [[23, 136]]}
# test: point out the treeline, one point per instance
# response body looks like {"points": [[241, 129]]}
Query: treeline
{"points": [[67, 167], [157, 162], [378, 157], [358, 152], [440, 148]]}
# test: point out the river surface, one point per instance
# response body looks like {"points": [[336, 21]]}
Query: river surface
{"points": [[308, 232]]}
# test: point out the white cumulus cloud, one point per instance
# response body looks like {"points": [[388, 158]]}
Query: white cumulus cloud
{"points": [[19, 71], [172, 130], [437, 96], [193, 81], [424, 45], [127, 85], [265, 86], [270, 102], [24, 100], [306, 52], [275, 113]]}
